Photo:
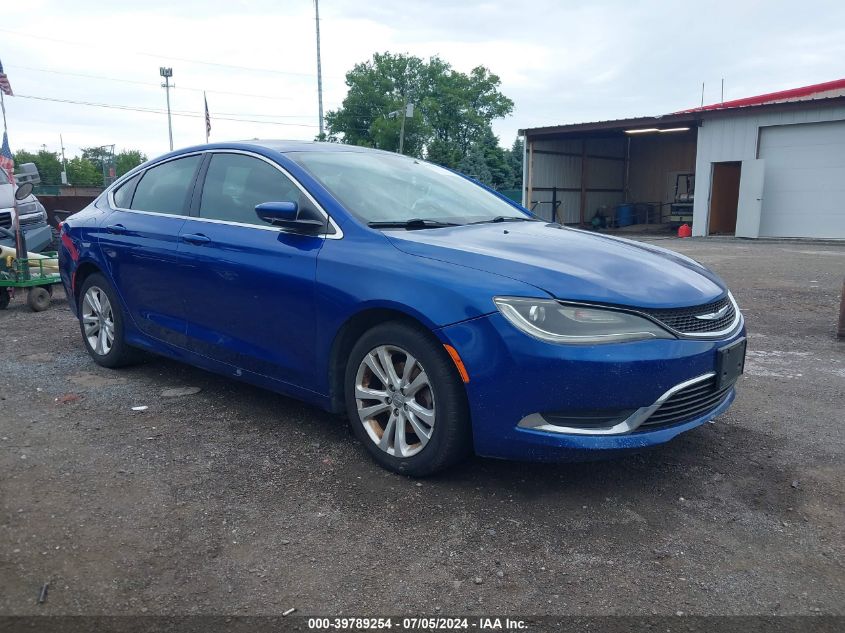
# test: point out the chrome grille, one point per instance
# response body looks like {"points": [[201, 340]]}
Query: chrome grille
{"points": [[687, 404], [684, 319]]}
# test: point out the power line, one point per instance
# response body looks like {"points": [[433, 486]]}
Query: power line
{"points": [[163, 56], [184, 113], [143, 83], [367, 111]]}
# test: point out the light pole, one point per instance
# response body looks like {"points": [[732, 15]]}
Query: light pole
{"points": [[319, 68], [167, 73]]}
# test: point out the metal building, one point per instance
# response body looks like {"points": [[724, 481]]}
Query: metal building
{"points": [[765, 166]]}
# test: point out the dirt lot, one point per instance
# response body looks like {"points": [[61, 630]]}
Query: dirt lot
{"points": [[238, 501]]}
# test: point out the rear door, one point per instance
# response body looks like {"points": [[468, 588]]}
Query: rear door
{"points": [[250, 300], [140, 241]]}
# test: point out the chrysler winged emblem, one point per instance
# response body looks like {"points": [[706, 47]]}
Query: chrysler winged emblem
{"points": [[713, 316]]}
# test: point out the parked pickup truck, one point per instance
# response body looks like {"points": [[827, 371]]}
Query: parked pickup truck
{"points": [[33, 218]]}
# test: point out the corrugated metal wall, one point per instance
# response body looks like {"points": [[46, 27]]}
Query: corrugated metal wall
{"points": [[735, 138], [558, 163], [655, 161]]}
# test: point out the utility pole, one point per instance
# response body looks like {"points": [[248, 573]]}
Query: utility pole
{"points": [[319, 67], [167, 73], [64, 162], [406, 111], [402, 128]]}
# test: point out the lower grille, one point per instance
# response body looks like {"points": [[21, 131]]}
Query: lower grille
{"points": [[688, 403], [6, 220]]}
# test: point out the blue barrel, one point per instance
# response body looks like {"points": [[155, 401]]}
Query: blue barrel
{"points": [[625, 215]]}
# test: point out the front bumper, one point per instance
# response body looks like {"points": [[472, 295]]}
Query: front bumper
{"points": [[38, 237], [514, 376]]}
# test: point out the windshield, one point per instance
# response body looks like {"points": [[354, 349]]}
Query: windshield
{"points": [[4, 178], [390, 188]]}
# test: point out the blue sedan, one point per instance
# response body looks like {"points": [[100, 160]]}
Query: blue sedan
{"points": [[439, 316]]}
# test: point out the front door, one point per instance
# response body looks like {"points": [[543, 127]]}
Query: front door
{"points": [[750, 198], [250, 302], [140, 243]]}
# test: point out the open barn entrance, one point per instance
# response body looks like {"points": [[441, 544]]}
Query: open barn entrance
{"points": [[614, 174]]}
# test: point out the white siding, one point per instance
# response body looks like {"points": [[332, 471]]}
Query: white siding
{"points": [[735, 138]]}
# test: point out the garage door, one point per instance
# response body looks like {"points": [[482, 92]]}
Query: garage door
{"points": [[804, 187]]}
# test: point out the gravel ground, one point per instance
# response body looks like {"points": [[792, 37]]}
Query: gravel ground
{"points": [[235, 500]]}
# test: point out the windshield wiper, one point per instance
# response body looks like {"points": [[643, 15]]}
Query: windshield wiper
{"points": [[507, 218], [412, 224]]}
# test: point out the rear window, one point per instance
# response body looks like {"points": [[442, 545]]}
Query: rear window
{"points": [[123, 194], [165, 188]]}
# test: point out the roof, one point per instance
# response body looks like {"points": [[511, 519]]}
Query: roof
{"points": [[830, 90], [835, 88], [300, 146]]}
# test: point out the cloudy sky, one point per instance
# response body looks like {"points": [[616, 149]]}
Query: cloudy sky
{"points": [[560, 61]]}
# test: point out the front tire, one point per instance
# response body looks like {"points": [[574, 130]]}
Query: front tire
{"points": [[101, 321], [405, 400]]}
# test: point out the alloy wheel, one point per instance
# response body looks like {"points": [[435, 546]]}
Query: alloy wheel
{"points": [[395, 401], [98, 321]]}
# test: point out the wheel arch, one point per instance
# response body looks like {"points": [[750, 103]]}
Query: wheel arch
{"points": [[348, 335], [84, 270]]}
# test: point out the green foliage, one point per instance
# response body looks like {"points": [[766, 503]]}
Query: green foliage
{"points": [[473, 164], [515, 156], [452, 109], [82, 172], [127, 160], [48, 163]]}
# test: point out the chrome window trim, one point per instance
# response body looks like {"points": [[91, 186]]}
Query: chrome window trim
{"points": [[338, 232], [536, 422]]}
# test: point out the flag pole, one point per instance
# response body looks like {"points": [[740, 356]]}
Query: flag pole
{"points": [[207, 118], [3, 107]]}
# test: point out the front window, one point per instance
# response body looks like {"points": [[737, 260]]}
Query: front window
{"points": [[4, 177], [386, 188], [235, 184]]}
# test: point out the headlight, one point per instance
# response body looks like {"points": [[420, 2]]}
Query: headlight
{"points": [[555, 322]]}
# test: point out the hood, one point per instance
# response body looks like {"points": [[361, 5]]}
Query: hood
{"points": [[7, 196], [570, 264]]}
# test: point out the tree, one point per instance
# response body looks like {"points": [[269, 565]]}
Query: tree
{"points": [[127, 160], [515, 155], [48, 164], [474, 165], [81, 172], [452, 109]]}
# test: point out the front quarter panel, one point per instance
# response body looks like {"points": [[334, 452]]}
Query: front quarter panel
{"points": [[364, 271]]}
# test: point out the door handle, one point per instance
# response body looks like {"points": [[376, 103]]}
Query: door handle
{"points": [[195, 238], [117, 229]]}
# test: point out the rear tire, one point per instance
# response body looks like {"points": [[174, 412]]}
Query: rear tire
{"points": [[5, 298], [101, 322], [412, 418]]}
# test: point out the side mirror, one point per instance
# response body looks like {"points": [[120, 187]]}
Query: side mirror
{"points": [[23, 191], [286, 215]]}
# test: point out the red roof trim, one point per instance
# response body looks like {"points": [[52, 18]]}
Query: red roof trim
{"points": [[794, 93]]}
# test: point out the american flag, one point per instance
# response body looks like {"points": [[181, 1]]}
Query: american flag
{"points": [[207, 117], [5, 86], [7, 161]]}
